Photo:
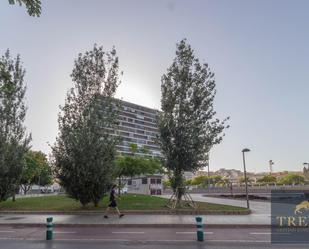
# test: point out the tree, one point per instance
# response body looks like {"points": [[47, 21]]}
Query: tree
{"points": [[35, 171], [134, 165], [242, 179], [166, 184], [267, 179], [14, 142], [292, 179], [200, 180], [85, 148], [188, 128], [33, 6]]}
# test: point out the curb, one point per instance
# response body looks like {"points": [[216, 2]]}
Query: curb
{"points": [[139, 225], [137, 212]]}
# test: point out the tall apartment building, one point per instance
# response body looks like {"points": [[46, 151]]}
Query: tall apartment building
{"points": [[137, 124]]}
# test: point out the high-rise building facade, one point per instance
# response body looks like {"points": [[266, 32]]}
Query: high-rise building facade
{"points": [[138, 125]]}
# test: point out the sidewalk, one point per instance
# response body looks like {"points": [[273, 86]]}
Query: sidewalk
{"points": [[136, 220], [257, 207]]}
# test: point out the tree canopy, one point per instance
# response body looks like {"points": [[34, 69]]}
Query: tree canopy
{"points": [[292, 179], [36, 170], [188, 128], [85, 148], [267, 179], [14, 141], [33, 6]]}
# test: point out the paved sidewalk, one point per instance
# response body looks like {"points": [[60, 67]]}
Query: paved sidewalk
{"points": [[136, 220], [257, 207]]}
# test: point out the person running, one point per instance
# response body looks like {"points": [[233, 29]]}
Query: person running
{"points": [[112, 202]]}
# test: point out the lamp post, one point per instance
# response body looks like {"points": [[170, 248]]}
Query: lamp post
{"points": [[271, 163], [245, 173], [207, 165]]}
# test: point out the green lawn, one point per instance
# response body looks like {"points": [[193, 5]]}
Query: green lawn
{"points": [[127, 202]]}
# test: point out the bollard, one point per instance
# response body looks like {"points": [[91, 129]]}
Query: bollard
{"points": [[49, 226], [199, 227]]}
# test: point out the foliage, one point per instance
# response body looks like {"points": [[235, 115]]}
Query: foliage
{"points": [[85, 148], [267, 179], [36, 171], [242, 179], [187, 125], [292, 179], [134, 165], [14, 142], [203, 181], [199, 180], [33, 6], [166, 183]]}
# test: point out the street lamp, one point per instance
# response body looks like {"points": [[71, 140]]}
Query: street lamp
{"points": [[245, 173], [271, 163]]}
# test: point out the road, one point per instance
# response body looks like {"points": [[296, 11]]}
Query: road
{"points": [[12, 237], [79, 233], [139, 245]]}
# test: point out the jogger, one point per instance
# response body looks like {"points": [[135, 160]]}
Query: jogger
{"points": [[112, 203]]}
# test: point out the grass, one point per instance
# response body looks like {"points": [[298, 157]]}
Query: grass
{"points": [[127, 202]]}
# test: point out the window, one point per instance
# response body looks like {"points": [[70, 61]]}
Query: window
{"points": [[144, 181], [152, 181], [158, 181], [129, 182]]}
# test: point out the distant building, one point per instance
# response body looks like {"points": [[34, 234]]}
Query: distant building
{"points": [[187, 175], [137, 125], [232, 175], [147, 185]]}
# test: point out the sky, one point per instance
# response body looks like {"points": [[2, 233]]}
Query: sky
{"points": [[258, 50]]}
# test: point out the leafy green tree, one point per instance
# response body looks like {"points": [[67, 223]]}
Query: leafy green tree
{"points": [[292, 179], [199, 180], [134, 165], [14, 141], [188, 128], [242, 179], [267, 179], [35, 171], [188, 182], [33, 6], [85, 148], [166, 183]]}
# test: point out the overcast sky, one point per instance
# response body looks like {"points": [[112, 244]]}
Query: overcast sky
{"points": [[259, 51]]}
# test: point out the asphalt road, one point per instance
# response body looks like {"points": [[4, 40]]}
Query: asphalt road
{"points": [[36, 235], [139, 245], [83, 233]]}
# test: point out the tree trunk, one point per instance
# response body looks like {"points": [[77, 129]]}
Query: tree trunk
{"points": [[14, 194], [178, 185], [119, 185]]}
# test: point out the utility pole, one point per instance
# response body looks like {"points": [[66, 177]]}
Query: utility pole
{"points": [[245, 173]]}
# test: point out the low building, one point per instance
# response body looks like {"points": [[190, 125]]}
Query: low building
{"points": [[147, 185]]}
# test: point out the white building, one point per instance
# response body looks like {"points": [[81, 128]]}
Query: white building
{"points": [[148, 185]]}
